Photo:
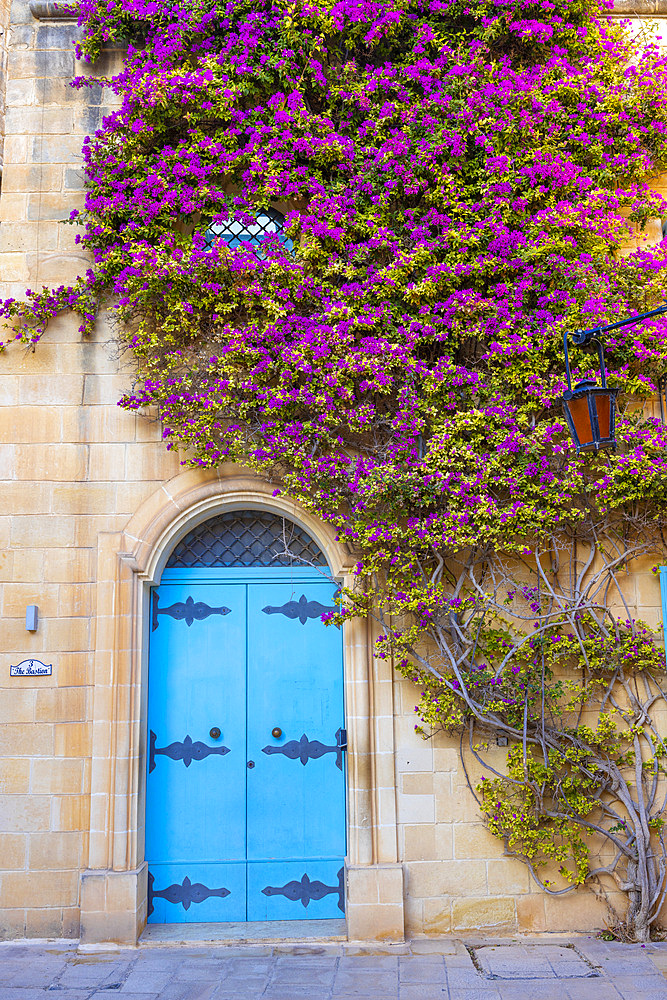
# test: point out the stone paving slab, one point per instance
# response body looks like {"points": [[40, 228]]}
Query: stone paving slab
{"points": [[578, 969], [533, 961]]}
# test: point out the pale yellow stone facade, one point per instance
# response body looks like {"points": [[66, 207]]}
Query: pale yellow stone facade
{"points": [[91, 503]]}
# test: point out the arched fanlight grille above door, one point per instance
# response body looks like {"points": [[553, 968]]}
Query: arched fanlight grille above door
{"points": [[246, 538]]}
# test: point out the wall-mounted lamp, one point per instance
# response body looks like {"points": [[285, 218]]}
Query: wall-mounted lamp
{"points": [[590, 409], [31, 618]]}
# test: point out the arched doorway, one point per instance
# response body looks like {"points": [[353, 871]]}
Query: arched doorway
{"points": [[245, 789]]}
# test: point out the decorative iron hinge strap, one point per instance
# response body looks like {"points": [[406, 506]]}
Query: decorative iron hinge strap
{"points": [[303, 609], [186, 893], [187, 751], [305, 749], [188, 611], [305, 890]]}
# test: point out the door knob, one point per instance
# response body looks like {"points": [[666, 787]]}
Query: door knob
{"points": [[277, 732], [215, 733]]}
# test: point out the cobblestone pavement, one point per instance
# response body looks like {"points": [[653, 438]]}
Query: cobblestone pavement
{"points": [[578, 969]]}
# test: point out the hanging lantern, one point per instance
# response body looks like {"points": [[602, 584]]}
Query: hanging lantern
{"points": [[590, 409]]}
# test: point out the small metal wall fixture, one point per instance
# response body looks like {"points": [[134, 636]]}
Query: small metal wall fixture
{"points": [[590, 409]]}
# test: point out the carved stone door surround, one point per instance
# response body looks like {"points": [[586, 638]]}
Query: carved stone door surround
{"points": [[114, 884]]}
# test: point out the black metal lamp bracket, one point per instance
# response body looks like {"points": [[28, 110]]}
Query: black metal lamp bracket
{"points": [[582, 338]]}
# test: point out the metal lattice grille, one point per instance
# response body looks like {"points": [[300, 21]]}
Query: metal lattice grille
{"points": [[234, 234], [246, 538]]}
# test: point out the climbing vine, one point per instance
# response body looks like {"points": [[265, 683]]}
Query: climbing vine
{"points": [[461, 180]]}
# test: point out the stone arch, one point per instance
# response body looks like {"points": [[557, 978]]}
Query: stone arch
{"points": [[194, 497]]}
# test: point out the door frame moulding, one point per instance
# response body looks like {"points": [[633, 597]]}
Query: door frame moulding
{"points": [[114, 883]]}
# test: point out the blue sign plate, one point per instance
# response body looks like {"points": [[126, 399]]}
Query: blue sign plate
{"points": [[31, 668]]}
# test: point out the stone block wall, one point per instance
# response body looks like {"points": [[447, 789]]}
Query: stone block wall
{"points": [[71, 465], [74, 471], [46, 121], [4, 26]]}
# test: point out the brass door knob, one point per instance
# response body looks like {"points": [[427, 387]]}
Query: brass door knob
{"points": [[277, 732], [215, 733]]}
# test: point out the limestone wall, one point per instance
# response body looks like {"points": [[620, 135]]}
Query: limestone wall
{"points": [[4, 25], [74, 472], [71, 465]]}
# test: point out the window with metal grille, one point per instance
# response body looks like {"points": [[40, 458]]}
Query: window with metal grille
{"points": [[247, 538], [235, 233]]}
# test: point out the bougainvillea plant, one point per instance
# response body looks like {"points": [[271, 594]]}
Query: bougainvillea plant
{"points": [[460, 181]]}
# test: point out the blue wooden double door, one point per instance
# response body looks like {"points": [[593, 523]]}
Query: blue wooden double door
{"points": [[245, 794]]}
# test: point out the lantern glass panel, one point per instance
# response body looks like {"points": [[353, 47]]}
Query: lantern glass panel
{"points": [[603, 407], [581, 420]]}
